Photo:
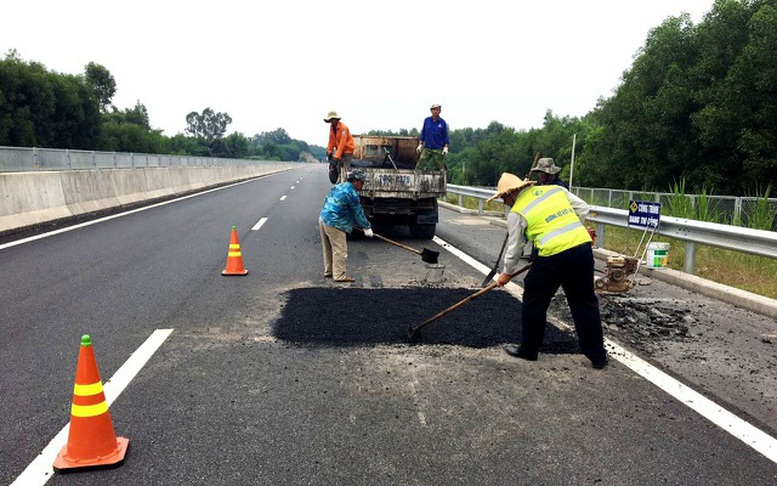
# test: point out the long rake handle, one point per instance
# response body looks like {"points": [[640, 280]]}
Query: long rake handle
{"points": [[396, 243], [414, 330]]}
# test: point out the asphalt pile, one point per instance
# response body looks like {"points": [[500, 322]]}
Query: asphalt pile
{"points": [[329, 316]]}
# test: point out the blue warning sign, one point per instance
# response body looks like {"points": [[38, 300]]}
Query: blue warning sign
{"points": [[644, 214]]}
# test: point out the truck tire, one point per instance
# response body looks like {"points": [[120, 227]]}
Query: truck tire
{"points": [[422, 231]]}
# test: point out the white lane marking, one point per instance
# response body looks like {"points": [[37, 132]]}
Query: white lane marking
{"points": [[283, 197], [292, 188], [259, 224], [114, 216], [40, 470], [742, 430]]}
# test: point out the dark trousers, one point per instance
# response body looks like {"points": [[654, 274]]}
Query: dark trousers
{"points": [[573, 270]]}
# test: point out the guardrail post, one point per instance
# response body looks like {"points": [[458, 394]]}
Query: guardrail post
{"points": [[461, 200], [690, 257], [737, 210], [600, 235], [480, 207], [67, 158]]}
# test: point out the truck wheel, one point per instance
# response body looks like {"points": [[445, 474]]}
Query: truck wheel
{"points": [[422, 231]]}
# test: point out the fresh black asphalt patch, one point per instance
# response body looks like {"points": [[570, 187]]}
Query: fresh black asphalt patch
{"points": [[358, 317]]}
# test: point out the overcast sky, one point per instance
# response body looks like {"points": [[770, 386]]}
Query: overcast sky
{"points": [[380, 65]]}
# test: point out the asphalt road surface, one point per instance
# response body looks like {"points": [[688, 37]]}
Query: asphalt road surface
{"points": [[283, 377]]}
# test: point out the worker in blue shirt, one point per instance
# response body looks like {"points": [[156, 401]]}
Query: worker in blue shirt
{"points": [[433, 140], [342, 210]]}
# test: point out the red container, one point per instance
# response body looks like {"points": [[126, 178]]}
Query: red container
{"points": [[592, 234]]}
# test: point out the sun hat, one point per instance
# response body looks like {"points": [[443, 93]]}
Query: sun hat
{"points": [[331, 115], [547, 166], [508, 183], [435, 106]]}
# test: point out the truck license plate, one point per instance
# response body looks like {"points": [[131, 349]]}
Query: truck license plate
{"points": [[395, 180]]}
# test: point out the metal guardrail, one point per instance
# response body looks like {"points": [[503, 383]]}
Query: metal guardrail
{"points": [[736, 238], [725, 209], [26, 159], [692, 232]]}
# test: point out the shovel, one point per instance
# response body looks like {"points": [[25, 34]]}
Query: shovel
{"points": [[412, 332], [496, 264], [427, 256]]}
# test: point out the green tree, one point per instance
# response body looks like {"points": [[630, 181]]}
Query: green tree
{"points": [[102, 83], [43, 108], [208, 125]]}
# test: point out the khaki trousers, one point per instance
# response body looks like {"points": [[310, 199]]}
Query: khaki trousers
{"points": [[335, 248]]}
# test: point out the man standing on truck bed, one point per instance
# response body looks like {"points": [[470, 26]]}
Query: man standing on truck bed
{"points": [[340, 147], [433, 140]]}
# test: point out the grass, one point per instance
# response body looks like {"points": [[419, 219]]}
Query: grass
{"points": [[746, 272], [472, 203]]}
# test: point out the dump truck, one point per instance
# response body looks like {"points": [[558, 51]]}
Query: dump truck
{"points": [[394, 192]]}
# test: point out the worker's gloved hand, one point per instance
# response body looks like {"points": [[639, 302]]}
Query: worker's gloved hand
{"points": [[337, 160], [445, 151], [368, 233], [419, 148], [329, 156]]}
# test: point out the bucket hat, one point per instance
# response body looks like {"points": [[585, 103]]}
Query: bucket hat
{"points": [[547, 166], [332, 115]]}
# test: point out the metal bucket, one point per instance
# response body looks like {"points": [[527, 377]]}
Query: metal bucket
{"points": [[434, 273]]}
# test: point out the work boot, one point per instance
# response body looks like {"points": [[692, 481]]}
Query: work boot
{"points": [[598, 365], [518, 352]]}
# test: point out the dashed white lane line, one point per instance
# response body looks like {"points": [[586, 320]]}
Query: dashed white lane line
{"points": [[742, 430], [283, 197], [259, 224], [40, 470]]}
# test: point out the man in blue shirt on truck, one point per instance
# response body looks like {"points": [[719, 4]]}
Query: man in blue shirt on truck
{"points": [[433, 140]]}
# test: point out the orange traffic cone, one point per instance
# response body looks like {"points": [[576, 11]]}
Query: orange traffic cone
{"points": [[91, 442], [234, 257]]}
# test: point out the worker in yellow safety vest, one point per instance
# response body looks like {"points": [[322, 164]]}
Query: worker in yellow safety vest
{"points": [[551, 218]]}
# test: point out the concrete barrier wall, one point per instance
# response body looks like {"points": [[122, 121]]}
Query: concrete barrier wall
{"points": [[30, 198]]}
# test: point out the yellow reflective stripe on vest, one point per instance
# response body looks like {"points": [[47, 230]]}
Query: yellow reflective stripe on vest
{"points": [[85, 411], [564, 229], [552, 224], [87, 390]]}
